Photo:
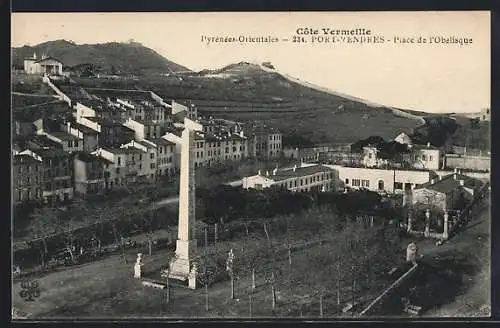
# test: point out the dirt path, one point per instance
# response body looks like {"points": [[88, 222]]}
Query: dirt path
{"points": [[473, 242]]}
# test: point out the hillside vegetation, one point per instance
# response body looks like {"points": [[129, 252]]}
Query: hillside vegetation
{"points": [[247, 93], [111, 57]]}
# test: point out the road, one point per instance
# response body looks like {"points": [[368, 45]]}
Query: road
{"points": [[468, 255]]}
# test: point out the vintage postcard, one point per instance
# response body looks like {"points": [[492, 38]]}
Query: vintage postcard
{"points": [[299, 165]]}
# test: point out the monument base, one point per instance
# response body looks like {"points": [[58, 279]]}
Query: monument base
{"points": [[181, 265]]}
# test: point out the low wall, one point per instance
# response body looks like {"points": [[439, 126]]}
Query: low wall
{"points": [[484, 176], [470, 162], [377, 304], [56, 90]]}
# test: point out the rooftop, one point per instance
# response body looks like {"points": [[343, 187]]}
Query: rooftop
{"points": [[161, 142], [449, 183], [64, 136], [50, 152], [24, 159], [47, 58], [283, 174], [146, 122], [105, 121], [132, 150], [100, 105], [83, 128], [88, 158], [430, 147]]}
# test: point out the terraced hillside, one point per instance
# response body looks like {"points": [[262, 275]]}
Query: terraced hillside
{"points": [[247, 92]]}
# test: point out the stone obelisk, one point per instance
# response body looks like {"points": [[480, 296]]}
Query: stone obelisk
{"points": [[185, 252]]}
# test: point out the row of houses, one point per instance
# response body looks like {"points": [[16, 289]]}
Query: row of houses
{"points": [[111, 138]]}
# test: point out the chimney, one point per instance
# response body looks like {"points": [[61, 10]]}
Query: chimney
{"points": [[440, 177], [267, 173], [241, 134], [428, 144], [433, 181], [294, 168], [455, 170], [462, 182], [258, 172], [275, 171], [455, 176], [68, 126]]}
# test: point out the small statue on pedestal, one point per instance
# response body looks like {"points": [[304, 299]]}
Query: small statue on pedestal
{"points": [[411, 253], [138, 266], [192, 276]]}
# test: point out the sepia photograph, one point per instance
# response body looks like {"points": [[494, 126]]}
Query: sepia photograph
{"points": [[250, 165]]}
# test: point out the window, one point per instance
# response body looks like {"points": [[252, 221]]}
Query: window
{"points": [[76, 143], [424, 157], [227, 150], [152, 156], [258, 186], [119, 161], [301, 182], [380, 185], [356, 182], [430, 157], [365, 183], [398, 185], [295, 183], [346, 181], [152, 166], [117, 170], [140, 157]]}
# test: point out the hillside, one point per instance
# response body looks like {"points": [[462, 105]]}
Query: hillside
{"points": [[111, 57], [249, 92]]}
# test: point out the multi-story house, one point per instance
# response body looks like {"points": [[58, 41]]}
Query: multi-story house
{"points": [[181, 111], [27, 178], [69, 142], [145, 129], [146, 157], [111, 133], [89, 173], [199, 151], [264, 143], [136, 163], [144, 109], [165, 156], [174, 136], [88, 135], [58, 173], [115, 169], [299, 179], [425, 157]]}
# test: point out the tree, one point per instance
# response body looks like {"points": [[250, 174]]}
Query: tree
{"points": [[43, 224]]}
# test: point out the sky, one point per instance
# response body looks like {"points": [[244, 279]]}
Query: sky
{"points": [[429, 77]]}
